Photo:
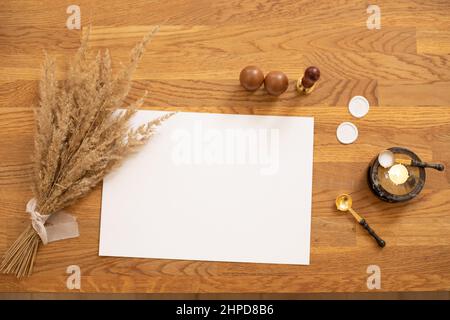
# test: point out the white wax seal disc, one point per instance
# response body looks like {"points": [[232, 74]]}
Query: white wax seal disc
{"points": [[386, 159], [347, 133], [358, 106]]}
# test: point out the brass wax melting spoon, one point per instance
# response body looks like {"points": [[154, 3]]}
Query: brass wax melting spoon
{"points": [[387, 159], [344, 203], [415, 163]]}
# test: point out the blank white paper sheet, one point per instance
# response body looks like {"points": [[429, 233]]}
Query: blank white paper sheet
{"points": [[214, 187]]}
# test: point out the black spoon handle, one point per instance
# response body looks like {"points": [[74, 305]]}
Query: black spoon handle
{"points": [[437, 166], [380, 241]]}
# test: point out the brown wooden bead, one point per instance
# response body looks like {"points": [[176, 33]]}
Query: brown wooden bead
{"points": [[312, 74], [251, 78], [276, 82]]}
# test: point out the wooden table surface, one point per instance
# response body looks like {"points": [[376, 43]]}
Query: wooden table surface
{"points": [[193, 64]]}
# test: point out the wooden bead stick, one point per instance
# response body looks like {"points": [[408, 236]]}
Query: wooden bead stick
{"points": [[307, 83]]}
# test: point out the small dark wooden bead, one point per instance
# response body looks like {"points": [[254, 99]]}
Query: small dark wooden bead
{"points": [[312, 74]]}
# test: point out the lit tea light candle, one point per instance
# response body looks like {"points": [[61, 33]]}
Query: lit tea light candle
{"points": [[398, 174]]}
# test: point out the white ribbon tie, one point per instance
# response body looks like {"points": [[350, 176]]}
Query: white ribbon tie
{"points": [[60, 225]]}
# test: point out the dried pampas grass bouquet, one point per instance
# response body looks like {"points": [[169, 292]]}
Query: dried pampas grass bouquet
{"points": [[80, 135]]}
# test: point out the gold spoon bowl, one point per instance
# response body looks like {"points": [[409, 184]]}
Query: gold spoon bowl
{"points": [[343, 202]]}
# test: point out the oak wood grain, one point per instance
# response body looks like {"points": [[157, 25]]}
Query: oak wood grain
{"points": [[193, 64]]}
